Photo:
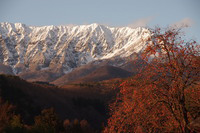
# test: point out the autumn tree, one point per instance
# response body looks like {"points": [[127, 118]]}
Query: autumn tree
{"points": [[159, 98], [6, 114], [15, 125], [47, 122], [77, 127]]}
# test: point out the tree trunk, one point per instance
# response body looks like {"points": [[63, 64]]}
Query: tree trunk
{"points": [[185, 116]]}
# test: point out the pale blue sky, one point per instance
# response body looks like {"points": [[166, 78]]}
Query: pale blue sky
{"points": [[109, 12]]}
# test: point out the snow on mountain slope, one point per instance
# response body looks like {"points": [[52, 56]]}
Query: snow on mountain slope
{"points": [[63, 48]]}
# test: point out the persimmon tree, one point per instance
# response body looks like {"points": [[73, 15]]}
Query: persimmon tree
{"points": [[165, 95]]}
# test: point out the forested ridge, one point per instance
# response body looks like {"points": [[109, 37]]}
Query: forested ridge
{"points": [[42, 107]]}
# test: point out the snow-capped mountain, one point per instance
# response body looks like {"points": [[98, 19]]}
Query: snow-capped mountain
{"points": [[63, 48]]}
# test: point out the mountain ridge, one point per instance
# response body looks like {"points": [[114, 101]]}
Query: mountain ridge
{"points": [[61, 49]]}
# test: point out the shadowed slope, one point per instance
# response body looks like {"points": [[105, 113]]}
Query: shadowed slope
{"points": [[105, 73]]}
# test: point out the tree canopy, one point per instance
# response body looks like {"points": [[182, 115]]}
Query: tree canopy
{"points": [[164, 95]]}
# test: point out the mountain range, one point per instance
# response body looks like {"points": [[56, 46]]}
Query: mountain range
{"points": [[52, 53]]}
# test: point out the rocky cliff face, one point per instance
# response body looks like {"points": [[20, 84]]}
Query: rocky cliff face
{"points": [[60, 49]]}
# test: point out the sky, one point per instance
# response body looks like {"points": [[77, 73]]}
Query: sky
{"points": [[133, 13]]}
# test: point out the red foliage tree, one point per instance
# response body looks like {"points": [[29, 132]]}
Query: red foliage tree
{"points": [[159, 98]]}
